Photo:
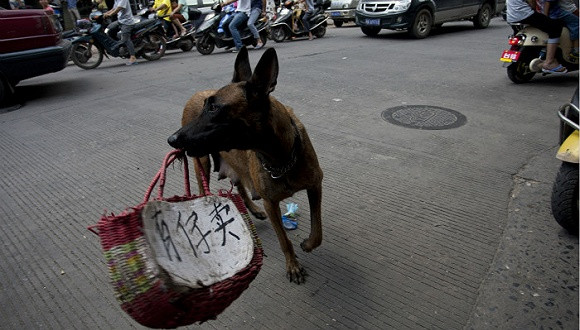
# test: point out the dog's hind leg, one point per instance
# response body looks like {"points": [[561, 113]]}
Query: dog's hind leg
{"points": [[294, 272], [205, 165], [315, 202], [252, 207]]}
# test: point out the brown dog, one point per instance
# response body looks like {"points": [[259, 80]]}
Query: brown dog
{"points": [[259, 144]]}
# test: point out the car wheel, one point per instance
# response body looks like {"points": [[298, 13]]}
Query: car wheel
{"points": [[338, 23], [86, 55], [422, 24], [155, 48], [370, 31], [483, 17]]}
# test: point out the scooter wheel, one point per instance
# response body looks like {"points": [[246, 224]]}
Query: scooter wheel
{"points": [[205, 44], [86, 56], [319, 32], [155, 47], [565, 197], [278, 34], [186, 45], [519, 72]]}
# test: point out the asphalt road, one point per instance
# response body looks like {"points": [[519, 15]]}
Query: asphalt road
{"points": [[440, 229]]}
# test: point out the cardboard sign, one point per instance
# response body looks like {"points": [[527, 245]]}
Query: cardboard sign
{"points": [[198, 242]]}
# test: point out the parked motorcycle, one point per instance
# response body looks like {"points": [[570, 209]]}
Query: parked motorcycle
{"points": [[565, 189], [288, 26], [528, 51], [208, 36], [89, 49]]}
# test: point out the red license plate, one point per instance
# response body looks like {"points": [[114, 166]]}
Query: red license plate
{"points": [[509, 56]]}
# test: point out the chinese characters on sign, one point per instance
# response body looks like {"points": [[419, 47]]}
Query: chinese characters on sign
{"points": [[206, 238]]}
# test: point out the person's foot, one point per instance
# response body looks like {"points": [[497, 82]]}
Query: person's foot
{"points": [[310, 36], [235, 50], [553, 68], [183, 32], [132, 61], [259, 45]]}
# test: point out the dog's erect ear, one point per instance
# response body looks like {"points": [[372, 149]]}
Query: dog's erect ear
{"points": [[242, 69], [265, 75]]}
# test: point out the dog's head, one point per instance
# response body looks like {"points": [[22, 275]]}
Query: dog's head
{"points": [[233, 116]]}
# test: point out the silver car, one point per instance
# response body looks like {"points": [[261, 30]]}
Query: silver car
{"points": [[342, 11]]}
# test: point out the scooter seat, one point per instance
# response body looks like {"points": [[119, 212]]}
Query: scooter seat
{"points": [[143, 24]]}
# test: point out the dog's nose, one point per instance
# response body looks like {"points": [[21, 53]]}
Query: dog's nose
{"points": [[172, 140]]}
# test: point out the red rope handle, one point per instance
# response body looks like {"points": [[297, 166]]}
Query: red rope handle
{"points": [[204, 182], [161, 174]]}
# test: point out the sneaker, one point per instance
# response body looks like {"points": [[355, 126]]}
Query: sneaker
{"points": [[132, 63], [259, 45], [235, 50]]}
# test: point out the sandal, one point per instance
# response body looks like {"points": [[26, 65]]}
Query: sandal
{"points": [[557, 70]]}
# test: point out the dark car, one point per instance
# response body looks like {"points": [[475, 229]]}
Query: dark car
{"points": [[419, 16], [30, 45]]}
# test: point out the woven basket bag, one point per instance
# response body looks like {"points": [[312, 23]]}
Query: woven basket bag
{"points": [[143, 288]]}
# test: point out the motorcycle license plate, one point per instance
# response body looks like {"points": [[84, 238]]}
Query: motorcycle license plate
{"points": [[373, 21], [335, 14], [509, 56]]}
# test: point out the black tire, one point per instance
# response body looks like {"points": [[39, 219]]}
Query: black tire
{"points": [[565, 197], [422, 24], [186, 45], [338, 23], [319, 32], [86, 55], [205, 45], [483, 17], [370, 31], [519, 72], [278, 34], [155, 47]]}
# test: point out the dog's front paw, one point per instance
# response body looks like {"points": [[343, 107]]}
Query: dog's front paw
{"points": [[309, 244], [296, 273], [259, 214]]}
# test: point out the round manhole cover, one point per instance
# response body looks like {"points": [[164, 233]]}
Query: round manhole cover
{"points": [[424, 117]]}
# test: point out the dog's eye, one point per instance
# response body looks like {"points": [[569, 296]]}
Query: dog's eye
{"points": [[213, 107]]}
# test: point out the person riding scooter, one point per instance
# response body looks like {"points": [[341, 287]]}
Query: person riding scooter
{"points": [[519, 11]]}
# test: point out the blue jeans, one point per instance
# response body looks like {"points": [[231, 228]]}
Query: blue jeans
{"points": [[254, 15], [571, 22], [239, 21]]}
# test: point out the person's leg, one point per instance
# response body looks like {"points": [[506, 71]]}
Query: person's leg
{"points": [[177, 22], [254, 15], [126, 39], [571, 22], [306, 22], [554, 29], [237, 22]]}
